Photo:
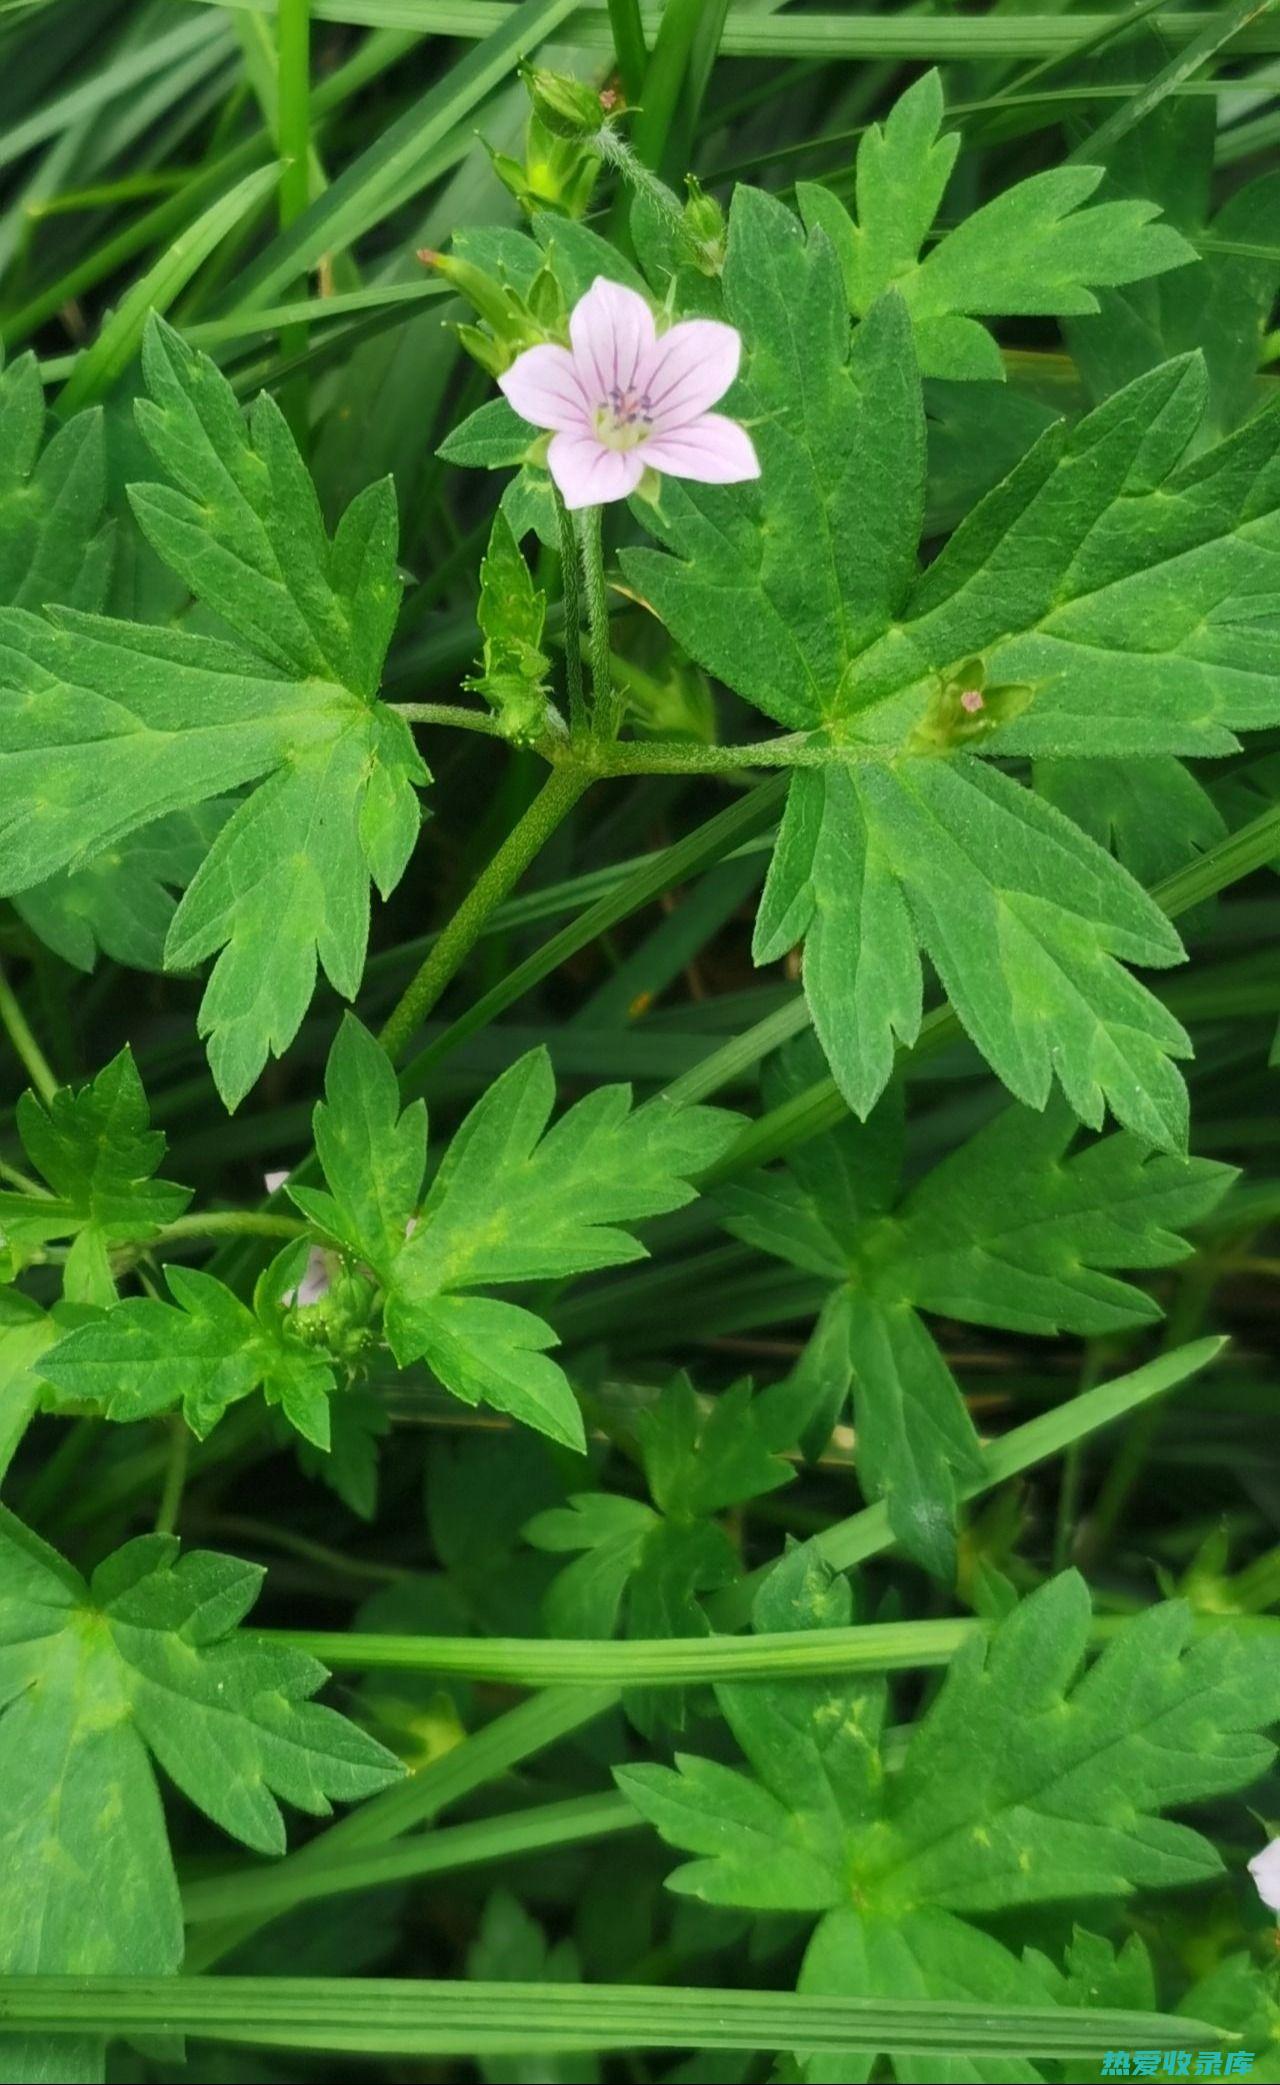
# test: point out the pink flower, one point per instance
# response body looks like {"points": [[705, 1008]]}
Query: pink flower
{"points": [[623, 398]]}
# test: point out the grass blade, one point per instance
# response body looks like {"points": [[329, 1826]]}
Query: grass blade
{"points": [[403, 2016], [99, 366]]}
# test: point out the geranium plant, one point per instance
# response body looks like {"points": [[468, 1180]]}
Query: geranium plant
{"points": [[599, 820]]}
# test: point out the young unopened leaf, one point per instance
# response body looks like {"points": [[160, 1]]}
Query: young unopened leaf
{"points": [[108, 726], [373, 1155], [94, 1147]]}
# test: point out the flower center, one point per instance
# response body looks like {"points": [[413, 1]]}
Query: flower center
{"points": [[623, 419]]}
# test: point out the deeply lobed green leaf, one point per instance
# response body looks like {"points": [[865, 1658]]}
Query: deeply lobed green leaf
{"points": [[1109, 599], [108, 726]]}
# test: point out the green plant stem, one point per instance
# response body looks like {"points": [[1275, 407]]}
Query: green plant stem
{"points": [[28, 1050], [451, 714], [22, 1181], [652, 756], [675, 1661], [574, 1822], [658, 757], [557, 797], [606, 696], [175, 1475], [665, 77], [1068, 1510], [651, 877], [571, 587], [828, 36], [229, 1223], [662, 1662]]}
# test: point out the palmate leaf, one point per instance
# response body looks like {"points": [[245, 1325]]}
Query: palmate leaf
{"points": [[1012, 1230], [1107, 600], [108, 726], [1023, 1783], [513, 1201], [201, 1354], [95, 1149], [1033, 249], [143, 1662]]}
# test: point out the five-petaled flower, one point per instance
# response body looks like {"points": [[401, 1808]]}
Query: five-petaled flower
{"points": [[623, 398]]}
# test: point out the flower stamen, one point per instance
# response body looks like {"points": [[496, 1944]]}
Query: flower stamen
{"points": [[624, 418]]}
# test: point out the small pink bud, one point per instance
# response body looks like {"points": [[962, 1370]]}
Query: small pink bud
{"points": [[971, 701]]}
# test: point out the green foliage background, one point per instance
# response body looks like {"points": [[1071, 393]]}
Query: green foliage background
{"points": [[646, 1156]]}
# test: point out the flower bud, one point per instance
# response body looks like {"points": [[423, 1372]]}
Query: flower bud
{"points": [[568, 107], [493, 355], [492, 300], [705, 229]]}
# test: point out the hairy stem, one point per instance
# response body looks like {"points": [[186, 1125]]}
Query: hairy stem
{"points": [[450, 713], [229, 1223], [571, 582], [606, 697], [556, 798], [603, 757]]}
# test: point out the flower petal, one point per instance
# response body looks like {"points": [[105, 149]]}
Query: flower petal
{"points": [[712, 449], [1265, 1870], [613, 334], [692, 366], [542, 386], [588, 474]]}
